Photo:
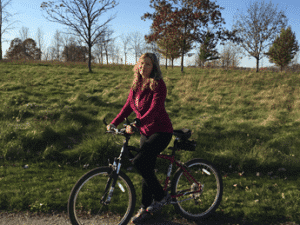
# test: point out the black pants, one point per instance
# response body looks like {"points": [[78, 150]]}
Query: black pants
{"points": [[145, 161]]}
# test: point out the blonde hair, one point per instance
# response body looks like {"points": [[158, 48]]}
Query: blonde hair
{"points": [[152, 81]]}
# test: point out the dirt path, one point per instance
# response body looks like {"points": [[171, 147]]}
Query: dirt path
{"points": [[28, 218]]}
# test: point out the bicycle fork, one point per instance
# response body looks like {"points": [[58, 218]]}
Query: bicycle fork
{"points": [[112, 176]]}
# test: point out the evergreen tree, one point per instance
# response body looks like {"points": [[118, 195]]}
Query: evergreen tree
{"points": [[284, 48], [207, 50]]}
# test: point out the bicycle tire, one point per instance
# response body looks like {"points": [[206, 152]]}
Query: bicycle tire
{"points": [[218, 197], [103, 170]]}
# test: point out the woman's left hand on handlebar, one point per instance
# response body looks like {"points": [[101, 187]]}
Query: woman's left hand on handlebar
{"points": [[129, 129]]}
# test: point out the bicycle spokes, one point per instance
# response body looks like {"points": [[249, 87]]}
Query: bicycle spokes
{"points": [[193, 197], [96, 199]]}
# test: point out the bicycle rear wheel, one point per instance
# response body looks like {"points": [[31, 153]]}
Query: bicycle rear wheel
{"points": [[202, 204], [85, 207]]}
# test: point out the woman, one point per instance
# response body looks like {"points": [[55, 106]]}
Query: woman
{"points": [[147, 99]]}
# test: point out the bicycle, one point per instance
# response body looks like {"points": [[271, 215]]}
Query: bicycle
{"points": [[97, 189]]}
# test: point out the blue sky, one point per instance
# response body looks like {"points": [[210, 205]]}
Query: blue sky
{"points": [[128, 20]]}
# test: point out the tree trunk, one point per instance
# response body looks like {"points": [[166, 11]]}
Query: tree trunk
{"points": [[181, 61], [90, 58], [90, 50], [166, 63], [172, 63], [0, 42], [182, 54]]}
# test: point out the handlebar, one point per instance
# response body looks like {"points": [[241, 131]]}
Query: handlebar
{"points": [[123, 130]]}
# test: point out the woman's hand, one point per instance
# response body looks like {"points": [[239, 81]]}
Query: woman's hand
{"points": [[110, 127], [129, 129]]}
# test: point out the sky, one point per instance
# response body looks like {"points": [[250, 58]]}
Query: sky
{"points": [[127, 20]]}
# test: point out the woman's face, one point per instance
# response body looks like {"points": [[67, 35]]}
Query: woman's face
{"points": [[146, 66]]}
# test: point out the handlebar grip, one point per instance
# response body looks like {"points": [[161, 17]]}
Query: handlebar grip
{"points": [[135, 122]]}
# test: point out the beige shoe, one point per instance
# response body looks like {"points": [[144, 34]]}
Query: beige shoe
{"points": [[156, 206], [141, 216]]}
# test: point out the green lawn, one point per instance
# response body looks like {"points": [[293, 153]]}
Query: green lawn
{"points": [[244, 122]]}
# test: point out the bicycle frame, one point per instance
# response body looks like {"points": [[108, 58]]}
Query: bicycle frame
{"points": [[190, 178], [116, 166]]}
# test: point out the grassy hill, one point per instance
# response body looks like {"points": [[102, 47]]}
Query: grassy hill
{"points": [[244, 122]]}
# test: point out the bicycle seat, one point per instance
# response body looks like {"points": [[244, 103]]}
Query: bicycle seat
{"points": [[183, 133]]}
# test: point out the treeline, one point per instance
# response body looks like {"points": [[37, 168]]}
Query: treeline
{"points": [[29, 51]]}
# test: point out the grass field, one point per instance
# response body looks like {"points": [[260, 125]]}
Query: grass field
{"points": [[244, 122]]}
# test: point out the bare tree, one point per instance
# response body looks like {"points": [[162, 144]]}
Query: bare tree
{"points": [[137, 45], [112, 50], [115, 52], [154, 48], [99, 45], [65, 42], [24, 33], [118, 54], [84, 19], [150, 47], [57, 43], [230, 56], [2, 7], [50, 53], [106, 43], [40, 41], [226, 59], [146, 47], [125, 41], [46, 54], [98, 52], [254, 29]]}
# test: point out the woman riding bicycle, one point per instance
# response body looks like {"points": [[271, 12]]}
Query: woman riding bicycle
{"points": [[147, 99]]}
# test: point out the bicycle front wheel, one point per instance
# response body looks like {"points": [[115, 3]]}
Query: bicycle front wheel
{"points": [[199, 205], [85, 206]]}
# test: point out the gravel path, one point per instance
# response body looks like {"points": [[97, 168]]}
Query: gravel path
{"points": [[26, 218], [29, 218]]}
